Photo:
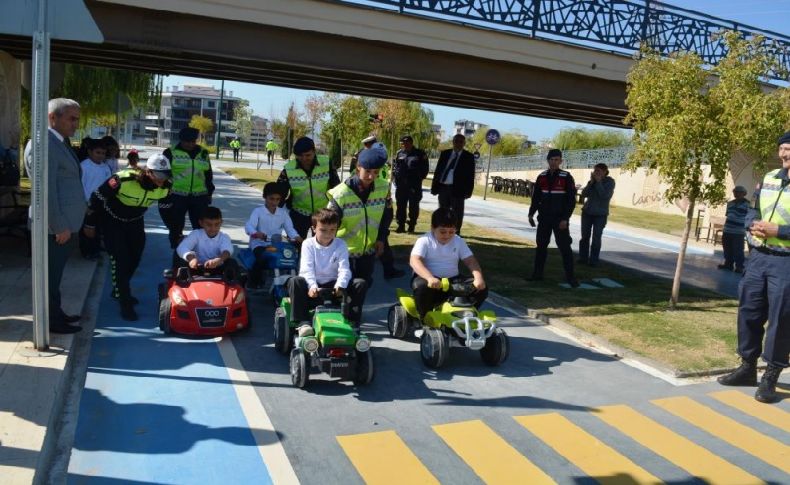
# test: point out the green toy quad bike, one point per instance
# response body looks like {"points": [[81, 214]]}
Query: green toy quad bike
{"points": [[337, 348], [454, 323]]}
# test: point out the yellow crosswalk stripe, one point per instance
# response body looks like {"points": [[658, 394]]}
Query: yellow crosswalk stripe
{"points": [[383, 458], [591, 455], [689, 456], [490, 456], [747, 404], [738, 435]]}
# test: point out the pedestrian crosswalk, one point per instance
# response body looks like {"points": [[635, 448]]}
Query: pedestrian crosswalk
{"points": [[384, 458]]}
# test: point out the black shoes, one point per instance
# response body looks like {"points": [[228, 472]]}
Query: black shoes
{"points": [[574, 283], [745, 375], [534, 278], [400, 229], [127, 312], [63, 328], [71, 318], [411, 229], [725, 267], [394, 273], [766, 391]]}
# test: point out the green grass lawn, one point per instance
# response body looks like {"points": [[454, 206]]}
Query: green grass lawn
{"points": [[699, 335]]}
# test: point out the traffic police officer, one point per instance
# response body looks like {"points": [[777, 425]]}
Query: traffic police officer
{"points": [[192, 185], [118, 206], [409, 169], [235, 144], [306, 181], [553, 198], [764, 291], [361, 202]]}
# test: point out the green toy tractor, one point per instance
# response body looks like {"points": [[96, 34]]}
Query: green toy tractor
{"points": [[337, 348], [454, 323]]}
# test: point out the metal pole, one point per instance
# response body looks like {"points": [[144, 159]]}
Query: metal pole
{"points": [[219, 115], [488, 171], [39, 141]]}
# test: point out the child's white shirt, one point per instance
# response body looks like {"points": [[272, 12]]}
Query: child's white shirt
{"points": [[261, 220], [321, 264], [441, 259], [93, 175], [198, 243]]}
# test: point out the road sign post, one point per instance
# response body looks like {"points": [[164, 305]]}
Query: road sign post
{"points": [[492, 138]]}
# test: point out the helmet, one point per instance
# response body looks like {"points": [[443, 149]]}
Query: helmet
{"points": [[158, 163]]}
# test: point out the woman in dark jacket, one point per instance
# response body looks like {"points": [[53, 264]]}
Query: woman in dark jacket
{"points": [[596, 195]]}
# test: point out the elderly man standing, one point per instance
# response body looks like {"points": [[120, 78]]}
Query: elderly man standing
{"points": [[454, 179], [65, 203]]}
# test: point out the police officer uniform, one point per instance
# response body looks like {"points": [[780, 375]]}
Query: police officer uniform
{"points": [[306, 188], [192, 186], [409, 169], [236, 146], [118, 207], [764, 290], [553, 198]]}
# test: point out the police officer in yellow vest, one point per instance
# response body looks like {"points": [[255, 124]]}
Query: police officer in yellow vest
{"points": [[764, 291], [361, 201], [235, 144], [192, 185], [306, 181], [118, 207]]}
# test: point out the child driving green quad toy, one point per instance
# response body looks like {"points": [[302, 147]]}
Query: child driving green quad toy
{"points": [[445, 305], [319, 320]]}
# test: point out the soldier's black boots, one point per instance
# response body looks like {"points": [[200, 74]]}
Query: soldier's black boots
{"points": [[766, 391], [745, 375]]}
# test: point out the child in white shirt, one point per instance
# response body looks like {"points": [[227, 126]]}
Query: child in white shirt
{"points": [[94, 173], [324, 264], [435, 256], [267, 222], [208, 246]]}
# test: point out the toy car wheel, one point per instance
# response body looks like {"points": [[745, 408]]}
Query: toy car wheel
{"points": [[398, 321], [365, 369], [283, 335], [299, 371], [496, 349], [434, 347], [162, 291], [164, 315]]}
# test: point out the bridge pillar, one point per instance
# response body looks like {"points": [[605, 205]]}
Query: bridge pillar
{"points": [[10, 98]]}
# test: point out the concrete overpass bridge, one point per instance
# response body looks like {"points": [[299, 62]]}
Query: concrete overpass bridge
{"points": [[515, 56]]}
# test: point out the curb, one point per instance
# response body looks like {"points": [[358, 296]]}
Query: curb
{"points": [[600, 344], [66, 387]]}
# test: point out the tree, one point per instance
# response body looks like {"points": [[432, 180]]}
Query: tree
{"points": [[314, 107], [242, 117], [684, 119], [583, 138], [201, 124], [510, 144]]}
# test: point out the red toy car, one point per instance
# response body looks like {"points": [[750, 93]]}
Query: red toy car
{"points": [[202, 302]]}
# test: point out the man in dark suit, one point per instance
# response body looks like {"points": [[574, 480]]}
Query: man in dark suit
{"points": [[454, 178], [65, 203]]}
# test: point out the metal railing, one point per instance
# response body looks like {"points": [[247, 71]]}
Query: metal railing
{"points": [[619, 25], [612, 157]]}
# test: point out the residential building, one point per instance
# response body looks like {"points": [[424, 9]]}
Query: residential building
{"points": [[179, 105], [467, 127]]}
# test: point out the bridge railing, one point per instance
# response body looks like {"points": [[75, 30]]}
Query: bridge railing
{"points": [[612, 157], [619, 25]]}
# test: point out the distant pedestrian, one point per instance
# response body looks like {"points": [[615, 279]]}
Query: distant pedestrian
{"points": [[306, 181], [409, 169], [193, 185], [454, 179], [596, 195], [65, 203], [271, 147], [553, 198], [113, 152], [764, 289], [366, 143], [735, 230], [132, 158], [235, 144]]}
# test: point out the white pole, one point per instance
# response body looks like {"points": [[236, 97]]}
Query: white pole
{"points": [[488, 171], [39, 141]]}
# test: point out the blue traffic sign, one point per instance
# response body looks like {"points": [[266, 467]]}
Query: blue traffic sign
{"points": [[492, 137]]}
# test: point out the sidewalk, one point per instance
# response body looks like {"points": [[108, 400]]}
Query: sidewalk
{"points": [[33, 384]]}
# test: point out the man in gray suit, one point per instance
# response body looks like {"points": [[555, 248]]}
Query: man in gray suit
{"points": [[65, 203]]}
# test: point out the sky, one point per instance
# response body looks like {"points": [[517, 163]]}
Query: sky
{"points": [[268, 101]]}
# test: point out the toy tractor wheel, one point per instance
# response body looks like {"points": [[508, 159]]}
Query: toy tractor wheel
{"points": [[300, 373], [365, 369], [164, 315], [496, 349], [434, 347], [398, 321], [283, 335]]}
